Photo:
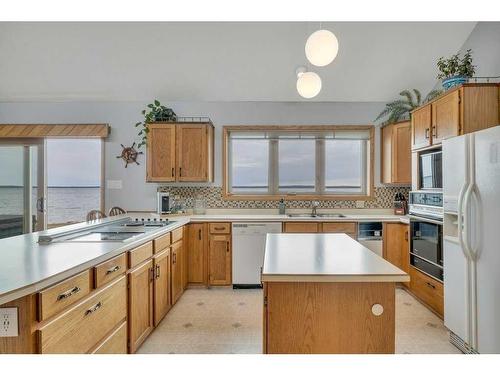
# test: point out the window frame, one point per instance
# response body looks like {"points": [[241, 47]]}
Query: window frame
{"points": [[369, 175]]}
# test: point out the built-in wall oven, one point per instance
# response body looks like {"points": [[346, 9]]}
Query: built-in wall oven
{"points": [[426, 232]]}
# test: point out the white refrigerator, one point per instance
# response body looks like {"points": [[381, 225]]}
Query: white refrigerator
{"points": [[471, 240]]}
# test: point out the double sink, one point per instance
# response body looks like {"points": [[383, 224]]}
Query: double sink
{"points": [[311, 215]]}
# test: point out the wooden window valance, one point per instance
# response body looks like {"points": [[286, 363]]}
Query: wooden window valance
{"points": [[54, 130]]}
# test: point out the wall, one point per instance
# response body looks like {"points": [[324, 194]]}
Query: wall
{"points": [[136, 194]]}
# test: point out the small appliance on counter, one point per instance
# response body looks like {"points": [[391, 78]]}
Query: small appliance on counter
{"points": [[400, 204], [199, 205], [163, 203]]}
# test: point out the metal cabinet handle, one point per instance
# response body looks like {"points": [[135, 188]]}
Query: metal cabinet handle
{"points": [[68, 293], [434, 131], [157, 271], [94, 308], [227, 246], [172, 171], [180, 171], [174, 258], [406, 236], [199, 234], [219, 228], [431, 286], [112, 270], [427, 133]]}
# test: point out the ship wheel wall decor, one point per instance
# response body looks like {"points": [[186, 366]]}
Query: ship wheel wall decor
{"points": [[129, 154]]}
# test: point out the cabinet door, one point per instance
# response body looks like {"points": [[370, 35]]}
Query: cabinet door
{"points": [[197, 254], [401, 153], [386, 154], [406, 252], [192, 152], [301, 227], [140, 304], [394, 245], [161, 153], [421, 127], [176, 271], [219, 248], [162, 300], [446, 117], [185, 271]]}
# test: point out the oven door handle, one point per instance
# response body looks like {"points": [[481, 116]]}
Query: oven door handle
{"points": [[425, 219]]}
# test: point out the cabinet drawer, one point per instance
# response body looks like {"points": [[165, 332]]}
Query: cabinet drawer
{"points": [[177, 234], [349, 228], [301, 227], [110, 270], [140, 254], [57, 297], [161, 243], [427, 289], [115, 343], [81, 327], [224, 228]]}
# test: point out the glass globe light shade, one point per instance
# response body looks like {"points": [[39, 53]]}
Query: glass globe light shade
{"points": [[322, 47], [308, 85]]}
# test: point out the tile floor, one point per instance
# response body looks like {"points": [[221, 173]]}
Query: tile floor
{"points": [[224, 320]]}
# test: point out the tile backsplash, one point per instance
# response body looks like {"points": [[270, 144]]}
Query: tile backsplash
{"points": [[384, 197]]}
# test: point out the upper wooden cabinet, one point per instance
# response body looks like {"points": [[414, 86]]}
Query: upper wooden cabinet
{"points": [[462, 110], [180, 152], [396, 153]]}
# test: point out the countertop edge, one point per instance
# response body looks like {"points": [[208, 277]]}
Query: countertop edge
{"points": [[335, 278]]}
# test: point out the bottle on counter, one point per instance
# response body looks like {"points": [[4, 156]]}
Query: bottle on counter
{"points": [[282, 206]]}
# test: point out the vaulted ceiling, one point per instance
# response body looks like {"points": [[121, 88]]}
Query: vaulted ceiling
{"points": [[217, 61]]}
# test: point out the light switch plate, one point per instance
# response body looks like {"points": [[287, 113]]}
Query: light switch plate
{"points": [[114, 184], [8, 322]]}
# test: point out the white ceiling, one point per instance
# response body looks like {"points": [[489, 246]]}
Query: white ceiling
{"points": [[217, 61]]}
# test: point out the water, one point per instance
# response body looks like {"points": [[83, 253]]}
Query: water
{"points": [[66, 204]]}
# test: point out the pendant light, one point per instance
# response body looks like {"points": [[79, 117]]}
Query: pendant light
{"points": [[322, 47], [308, 83]]}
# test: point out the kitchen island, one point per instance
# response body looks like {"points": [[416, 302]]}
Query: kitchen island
{"points": [[326, 293]]}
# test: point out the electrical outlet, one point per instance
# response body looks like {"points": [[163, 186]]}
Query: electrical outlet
{"points": [[8, 322]]}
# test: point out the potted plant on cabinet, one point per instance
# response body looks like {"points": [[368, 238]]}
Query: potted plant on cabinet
{"points": [[155, 112], [455, 70], [399, 110]]}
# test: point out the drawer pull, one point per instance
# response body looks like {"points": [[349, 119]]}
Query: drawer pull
{"points": [[68, 293], [219, 228], [94, 308], [431, 286], [112, 270]]}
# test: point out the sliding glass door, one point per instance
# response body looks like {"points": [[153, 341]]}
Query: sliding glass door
{"points": [[22, 187]]}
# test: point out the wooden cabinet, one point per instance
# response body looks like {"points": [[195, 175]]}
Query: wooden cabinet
{"points": [[161, 163], [197, 249], [219, 259], [176, 271], [461, 110], [115, 343], [396, 153], [180, 152], [301, 227], [349, 228], [110, 270], [185, 268], [162, 298], [140, 301], [396, 246], [428, 290], [140, 254]]}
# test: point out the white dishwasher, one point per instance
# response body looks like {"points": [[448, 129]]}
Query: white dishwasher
{"points": [[249, 241]]}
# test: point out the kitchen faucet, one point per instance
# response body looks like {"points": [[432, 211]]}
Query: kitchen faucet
{"points": [[315, 205]]}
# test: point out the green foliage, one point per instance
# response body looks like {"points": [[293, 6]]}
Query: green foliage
{"points": [[155, 112], [400, 109], [456, 66]]}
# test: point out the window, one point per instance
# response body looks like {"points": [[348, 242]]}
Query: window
{"points": [[315, 161]]}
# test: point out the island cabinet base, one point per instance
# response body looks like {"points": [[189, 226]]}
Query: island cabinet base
{"points": [[329, 318]]}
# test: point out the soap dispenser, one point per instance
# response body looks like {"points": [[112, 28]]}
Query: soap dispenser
{"points": [[282, 206]]}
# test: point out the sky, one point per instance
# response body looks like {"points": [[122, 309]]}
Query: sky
{"points": [[70, 162]]}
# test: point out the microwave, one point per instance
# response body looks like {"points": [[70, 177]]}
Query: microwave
{"points": [[430, 170]]}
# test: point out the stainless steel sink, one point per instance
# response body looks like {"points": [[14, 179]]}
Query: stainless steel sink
{"points": [[317, 215]]}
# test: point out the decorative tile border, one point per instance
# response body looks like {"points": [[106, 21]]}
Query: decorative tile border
{"points": [[384, 197]]}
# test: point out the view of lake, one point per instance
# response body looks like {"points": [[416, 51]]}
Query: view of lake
{"points": [[66, 204]]}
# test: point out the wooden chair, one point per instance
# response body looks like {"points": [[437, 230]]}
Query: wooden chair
{"points": [[113, 211], [95, 215]]}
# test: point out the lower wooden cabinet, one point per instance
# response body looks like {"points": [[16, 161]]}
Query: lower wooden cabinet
{"points": [[197, 253], [140, 304], [220, 259], [162, 297], [428, 290], [301, 227], [185, 268], [176, 269], [86, 323], [396, 245]]}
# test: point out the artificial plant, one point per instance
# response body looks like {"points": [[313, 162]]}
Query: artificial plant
{"points": [[155, 112], [400, 109], [456, 66]]}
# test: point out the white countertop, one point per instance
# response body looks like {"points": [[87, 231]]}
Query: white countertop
{"points": [[324, 257], [27, 266]]}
